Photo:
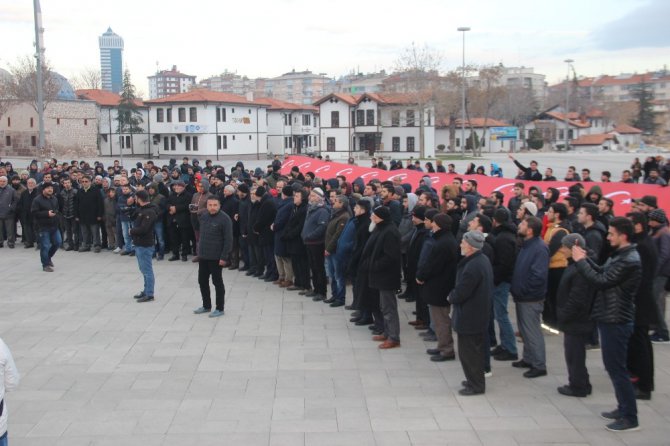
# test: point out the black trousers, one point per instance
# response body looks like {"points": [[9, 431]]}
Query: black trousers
{"points": [[300, 270], [574, 346], [257, 257], [471, 354], [207, 268], [553, 280], [317, 267], [180, 237], [641, 358]]}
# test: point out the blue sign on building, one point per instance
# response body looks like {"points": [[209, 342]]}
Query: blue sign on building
{"points": [[498, 133]]}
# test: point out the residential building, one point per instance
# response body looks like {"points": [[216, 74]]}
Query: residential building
{"points": [[292, 128], [299, 87], [70, 129], [111, 61], [208, 123], [515, 78], [359, 83], [169, 82], [228, 82], [110, 141], [375, 123], [606, 88]]}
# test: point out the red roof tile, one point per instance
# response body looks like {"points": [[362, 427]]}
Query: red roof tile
{"points": [[203, 95], [561, 117], [593, 140], [625, 129], [347, 98], [476, 123], [102, 97], [277, 104]]}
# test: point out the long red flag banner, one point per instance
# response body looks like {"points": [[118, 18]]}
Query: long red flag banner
{"points": [[622, 194]]}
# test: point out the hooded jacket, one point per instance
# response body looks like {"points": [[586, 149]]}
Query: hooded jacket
{"points": [[264, 219], [291, 235], [406, 226], [468, 215]]}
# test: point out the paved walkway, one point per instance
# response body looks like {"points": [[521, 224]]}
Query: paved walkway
{"points": [[277, 369]]}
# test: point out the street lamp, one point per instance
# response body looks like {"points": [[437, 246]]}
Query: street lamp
{"points": [[567, 103], [463, 29]]}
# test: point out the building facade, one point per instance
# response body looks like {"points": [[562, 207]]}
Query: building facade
{"points": [[111, 61], [168, 82], [110, 141], [293, 129], [375, 124], [228, 82], [207, 123], [299, 87]]}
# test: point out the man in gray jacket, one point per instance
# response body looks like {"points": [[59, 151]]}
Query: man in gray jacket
{"points": [[216, 241], [8, 201]]}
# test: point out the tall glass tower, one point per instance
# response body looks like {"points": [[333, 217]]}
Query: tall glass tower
{"points": [[111, 61]]}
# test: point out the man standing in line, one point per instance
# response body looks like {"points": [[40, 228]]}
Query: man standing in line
{"points": [[45, 211], [313, 236], [471, 299], [529, 287], [8, 201], [9, 380], [143, 236], [617, 282], [67, 202], [88, 211], [216, 241]]}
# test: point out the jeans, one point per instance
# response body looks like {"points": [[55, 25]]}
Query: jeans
{"points": [[207, 268], [159, 230], [335, 271], [388, 304], [50, 241], [128, 243], [500, 298], [3, 439], [144, 255], [528, 317], [614, 340]]}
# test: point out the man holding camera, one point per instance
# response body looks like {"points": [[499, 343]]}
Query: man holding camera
{"points": [[45, 209], [142, 232]]}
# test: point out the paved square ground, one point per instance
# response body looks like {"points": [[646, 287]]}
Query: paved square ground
{"points": [[277, 369]]}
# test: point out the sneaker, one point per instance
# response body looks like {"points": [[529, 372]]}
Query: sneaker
{"points": [[97, 249], [145, 299], [117, 250], [521, 364], [48, 269], [488, 373], [506, 356], [623, 425], [216, 313], [659, 339], [201, 310], [498, 349], [125, 253], [613, 415], [571, 391], [139, 295], [534, 373]]}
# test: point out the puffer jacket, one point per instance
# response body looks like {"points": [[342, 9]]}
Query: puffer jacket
{"points": [[617, 282]]}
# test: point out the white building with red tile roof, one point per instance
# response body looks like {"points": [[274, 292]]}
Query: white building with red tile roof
{"points": [[208, 123], [292, 128]]}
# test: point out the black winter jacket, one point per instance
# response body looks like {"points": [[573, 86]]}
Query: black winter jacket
{"points": [[216, 236], [230, 205], [360, 239], [419, 235], [182, 217], [40, 208], [142, 231], [617, 282], [438, 272], [385, 257], [505, 250], [471, 296], [264, 219], [646, 310], [89, 206], [596, 239], [291, 235], [574, 299]]}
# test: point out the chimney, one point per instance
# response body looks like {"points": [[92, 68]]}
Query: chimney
{"points": [[174, 67], [249, 95]]}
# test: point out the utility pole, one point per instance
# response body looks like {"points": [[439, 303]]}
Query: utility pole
{"points": [[567, 104], [463, 29], [39, 64]]}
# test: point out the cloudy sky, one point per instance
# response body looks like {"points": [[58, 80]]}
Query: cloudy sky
{"points": [[270, 37]]}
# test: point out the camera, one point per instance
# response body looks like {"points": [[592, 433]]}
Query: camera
{"points": [[193, 207]]}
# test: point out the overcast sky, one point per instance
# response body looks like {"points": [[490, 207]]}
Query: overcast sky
{"points": [[270, 37]]}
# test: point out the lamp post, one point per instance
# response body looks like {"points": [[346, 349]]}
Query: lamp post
{"points": [[567, 103], [463, 30]]}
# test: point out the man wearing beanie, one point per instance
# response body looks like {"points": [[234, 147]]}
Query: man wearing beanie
{"points": [[574, 298], [384, 274], [436, 279], [416, 242], [470, 299]]}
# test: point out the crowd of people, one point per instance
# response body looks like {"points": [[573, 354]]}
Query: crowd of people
{"points": [[458, 255]]}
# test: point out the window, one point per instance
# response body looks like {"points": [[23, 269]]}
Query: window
{"points": [[458, 142], [353, 117], [306, 119], [561, 134], [9, 121], [85, 121], [249, 111], [330, 144], [32, 122], [125, 142], [249, 137], [410, 144], [309, 141], [33, 141], [166, 143], [395, 118], [334, 119], [360, 117], [221, 114], [370, 117], [181, 114], [410, 118], [287, 119], [195, 143], [232, 110], [395, 144], [159, 114], [173, 143], [169, 115], [233, 137], [8, 141], [193, 114], [57, 121], [428, 118], [188, 143], [571, 134], [221, 142]]}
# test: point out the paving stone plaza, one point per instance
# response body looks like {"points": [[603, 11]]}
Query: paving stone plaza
{"points": [[277, 369]]}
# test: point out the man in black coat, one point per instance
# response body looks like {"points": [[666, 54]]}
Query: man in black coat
{"points": [[436, 278], [262, 227], [471, 301], [362, 219], [44, 209], [230, 205], [242, 219], [295, 248], [144, 239], [529, 173], [574, 298], [89, 209], [179, 221], [28, 235], [640, 350], [413, 291], [384, 274]]}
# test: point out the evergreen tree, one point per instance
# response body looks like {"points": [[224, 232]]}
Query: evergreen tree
{"points": [[645, 110], [129, 117]]}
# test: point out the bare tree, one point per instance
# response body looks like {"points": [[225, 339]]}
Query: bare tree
{"points": [[22, 84], [448, 103], [419, 69], [482, 96], [88, 78], [518, 107]]}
